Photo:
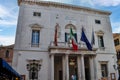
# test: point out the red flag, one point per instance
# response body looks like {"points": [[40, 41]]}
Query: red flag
{"points": [[55, 36]]}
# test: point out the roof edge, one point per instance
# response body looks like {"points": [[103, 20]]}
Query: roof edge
{"points": [[62, 5]]}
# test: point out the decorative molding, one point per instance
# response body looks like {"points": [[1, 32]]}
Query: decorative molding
{"points": [[99, 33], [36, 60], [68, 26], [103, 62], [35, 26], [62, 5]]}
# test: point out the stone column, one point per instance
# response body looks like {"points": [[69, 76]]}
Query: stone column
{"points": [[95, 68], [67, 67], [82, 67], [52, 67], [63, 66], [92, 74], [79, 67]]}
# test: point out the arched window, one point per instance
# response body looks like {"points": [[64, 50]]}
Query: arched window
{"points": [[7, 54], [67, 32]]}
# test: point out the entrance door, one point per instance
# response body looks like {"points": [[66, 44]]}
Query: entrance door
{"points": [[87, 68], [73, 68], [60, 75], [58, 72]]}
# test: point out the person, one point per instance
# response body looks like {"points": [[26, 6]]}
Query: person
{"points": [[73, 77]]}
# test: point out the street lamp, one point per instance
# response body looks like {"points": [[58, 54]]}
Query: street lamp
{"points": [[33, 67]]}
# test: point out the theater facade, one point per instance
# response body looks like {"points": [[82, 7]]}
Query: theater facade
{"points": [[44, 50]]}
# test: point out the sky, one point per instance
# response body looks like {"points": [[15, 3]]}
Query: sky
{"points": [[9, 10]]}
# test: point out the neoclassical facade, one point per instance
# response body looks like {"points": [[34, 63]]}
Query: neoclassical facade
{"points": [[36, 56]]}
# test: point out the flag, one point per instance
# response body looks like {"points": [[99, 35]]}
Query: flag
{"points": [[55, 36], [84, 39], [74, 43], [93, 38]]}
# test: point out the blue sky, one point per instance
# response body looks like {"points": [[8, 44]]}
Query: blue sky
{"points": [[9, 14]]}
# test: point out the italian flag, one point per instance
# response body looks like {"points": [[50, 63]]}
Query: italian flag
{"points": [[74, 43]]}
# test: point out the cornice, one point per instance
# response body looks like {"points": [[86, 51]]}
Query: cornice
{"points": [[62, 5]]}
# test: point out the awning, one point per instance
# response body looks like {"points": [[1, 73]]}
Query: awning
{"points": [[5, 65]]}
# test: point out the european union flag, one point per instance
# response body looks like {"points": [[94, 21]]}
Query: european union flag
{"points": [[84, 39]]}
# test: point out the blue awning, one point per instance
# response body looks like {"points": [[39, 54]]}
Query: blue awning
{"points": [[9, 68]]}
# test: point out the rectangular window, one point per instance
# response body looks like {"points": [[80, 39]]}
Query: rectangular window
{"points": [[35, 37], [67, 37], [104, 71], [37, 14], [100, 41], [97, 21], [116, 41], [118, 55]]}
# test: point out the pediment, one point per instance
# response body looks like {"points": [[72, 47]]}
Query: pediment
{"points": [[100, 32], [35, 26]]}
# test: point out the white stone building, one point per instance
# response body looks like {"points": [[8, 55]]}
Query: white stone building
{"points": [[35, 55]]}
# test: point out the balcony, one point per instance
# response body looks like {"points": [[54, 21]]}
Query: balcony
{"points": [[64, 47]]}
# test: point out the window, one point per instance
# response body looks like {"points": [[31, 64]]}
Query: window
{"points": [[37, 14], [68, 28], [100, 41], [118, 54], [116, 41], [67, 37], [7, 54], [35, 38], [97, 21], [104, 71]]}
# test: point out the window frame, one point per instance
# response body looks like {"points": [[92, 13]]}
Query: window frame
{"points": [[117, 42], [101, 41], [36, 42], [104, 72], [36, 27], [37, 14], [67, 33], [67, 37], [97, 21]]}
